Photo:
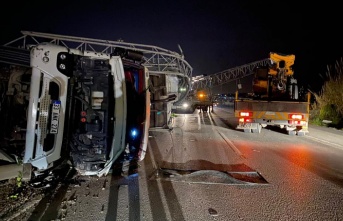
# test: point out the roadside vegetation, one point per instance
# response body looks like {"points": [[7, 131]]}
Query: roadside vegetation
{"points": [[327, 109]]}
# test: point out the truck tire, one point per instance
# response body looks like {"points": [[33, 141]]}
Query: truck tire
{"points": [[292, 132], [301, 133]]}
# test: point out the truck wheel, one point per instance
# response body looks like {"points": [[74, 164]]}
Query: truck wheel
{"points": [[292, 132], [301, 133], [258, 130], [247, 130]]}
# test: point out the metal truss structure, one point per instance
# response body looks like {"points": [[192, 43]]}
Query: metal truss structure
{"points": [[157, 60], [227, 76]]}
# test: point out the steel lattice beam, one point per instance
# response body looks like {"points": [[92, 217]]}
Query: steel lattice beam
{"points": [[157, 60], [227, 76]]}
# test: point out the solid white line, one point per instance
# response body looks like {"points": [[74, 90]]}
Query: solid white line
{"points": [[199, 122], [324, 142], [233, 147], [227, 140]]}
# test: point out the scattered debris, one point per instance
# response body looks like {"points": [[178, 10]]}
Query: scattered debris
{"points": [[212, 212]]}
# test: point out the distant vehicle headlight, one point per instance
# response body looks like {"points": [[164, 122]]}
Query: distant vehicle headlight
{"points": [[185, 105]]}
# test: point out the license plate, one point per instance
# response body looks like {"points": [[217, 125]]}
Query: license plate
{"points": [[55, 113]]}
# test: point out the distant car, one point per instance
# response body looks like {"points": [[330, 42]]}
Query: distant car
{"points": [[185, 106]]}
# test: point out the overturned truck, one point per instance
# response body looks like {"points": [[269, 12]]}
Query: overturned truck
{"points": [[74, 102], [84, 108]]}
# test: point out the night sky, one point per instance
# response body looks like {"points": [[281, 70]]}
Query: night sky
{"points": [[214, 35]]}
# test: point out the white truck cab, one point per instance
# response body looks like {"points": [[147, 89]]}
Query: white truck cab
{"points": [[78, 108]]}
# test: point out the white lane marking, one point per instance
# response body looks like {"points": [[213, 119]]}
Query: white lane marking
{"points": [[199, 123], [324, 142], [233, 147], [227, 140]]}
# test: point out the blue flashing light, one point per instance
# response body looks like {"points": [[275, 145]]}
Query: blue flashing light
{"points": [[134, 133]]}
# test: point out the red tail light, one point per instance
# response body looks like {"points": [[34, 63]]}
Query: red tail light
{"points": [[295, 116], [245, 117], [297, 122], [245, 114], [244, 120]]}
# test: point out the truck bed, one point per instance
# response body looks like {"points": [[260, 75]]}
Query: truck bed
{"points": [[254, 114], [276, 106]]}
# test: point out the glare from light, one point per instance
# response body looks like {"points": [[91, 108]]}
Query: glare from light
{"points": [[134, 133]]}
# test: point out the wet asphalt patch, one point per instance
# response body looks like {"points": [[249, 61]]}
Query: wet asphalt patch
{"points": [[209, 176]]}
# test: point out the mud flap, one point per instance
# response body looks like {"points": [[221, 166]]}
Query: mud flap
{"points": [[250, 127], [257, 129], [27, 172]]}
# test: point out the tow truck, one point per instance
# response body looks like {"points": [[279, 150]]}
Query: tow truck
{"points": [[275, 99]]}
